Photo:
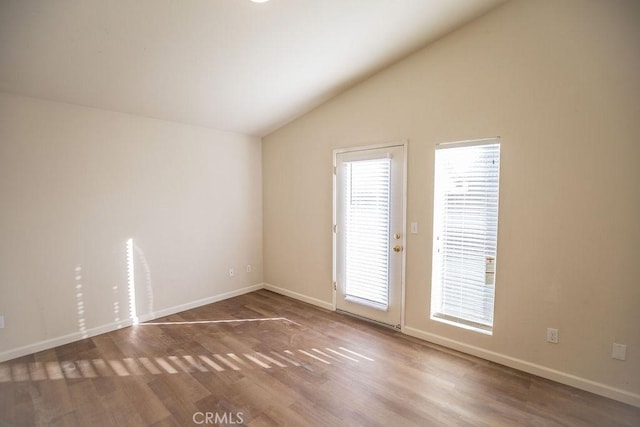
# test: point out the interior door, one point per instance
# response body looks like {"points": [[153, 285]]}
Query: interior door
{"points": [[369, 213]]}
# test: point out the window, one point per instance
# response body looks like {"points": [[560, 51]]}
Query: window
{"points": [[465, 233]]}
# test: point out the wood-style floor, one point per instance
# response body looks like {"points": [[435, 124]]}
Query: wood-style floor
{"points": [[298, 366]]}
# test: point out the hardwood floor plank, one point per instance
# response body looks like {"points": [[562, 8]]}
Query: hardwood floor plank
{"points": [[81, 393], [143, 399], [50, 400]]}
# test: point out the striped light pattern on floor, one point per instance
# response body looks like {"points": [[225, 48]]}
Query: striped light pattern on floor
{"points": [[54, 370]]}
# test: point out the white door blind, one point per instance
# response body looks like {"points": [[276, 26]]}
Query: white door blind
{"points": [[465, 233], [367, 194]]}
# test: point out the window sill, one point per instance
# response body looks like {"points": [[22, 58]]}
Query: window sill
{"points": [[462, 325]]}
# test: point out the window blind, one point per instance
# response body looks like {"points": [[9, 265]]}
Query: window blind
{"points": [[465, 233], [367, 204]]}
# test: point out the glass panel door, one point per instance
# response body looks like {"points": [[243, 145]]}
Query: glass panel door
{"points": [[369, 233]]}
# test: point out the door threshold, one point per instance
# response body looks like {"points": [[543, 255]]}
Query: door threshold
{"points": [[366, 319]]}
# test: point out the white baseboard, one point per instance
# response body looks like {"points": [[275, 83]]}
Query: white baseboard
{"points": [[532, 368], [300, 297], [61, 340], [98, 330], [199, 303]]}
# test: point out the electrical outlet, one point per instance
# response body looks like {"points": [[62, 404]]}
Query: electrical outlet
{"points": [[552, 335], [619, 351], [231, 272], [248, 268]]}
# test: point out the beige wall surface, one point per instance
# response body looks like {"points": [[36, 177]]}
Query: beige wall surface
{"points": [[559, 82], [77, 183]]}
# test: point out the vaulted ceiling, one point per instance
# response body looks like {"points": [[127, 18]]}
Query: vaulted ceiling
{"points": [[226, 64]]}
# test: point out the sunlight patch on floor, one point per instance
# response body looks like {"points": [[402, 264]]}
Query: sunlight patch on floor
{"points": [[211, 363]]}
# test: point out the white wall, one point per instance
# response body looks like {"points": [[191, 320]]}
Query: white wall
{"points": [[76, 183], [559, 82]]}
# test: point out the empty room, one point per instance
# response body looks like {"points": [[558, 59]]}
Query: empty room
{"points": [[320, 212]]}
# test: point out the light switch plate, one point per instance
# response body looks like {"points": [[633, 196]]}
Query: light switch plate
{"points": [[619, 351], [414, 228], [1, 322]]}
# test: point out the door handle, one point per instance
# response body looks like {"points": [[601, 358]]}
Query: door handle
{"points": [[397, 248]]}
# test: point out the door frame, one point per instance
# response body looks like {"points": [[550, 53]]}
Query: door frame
{"points": [[404, 143]]}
